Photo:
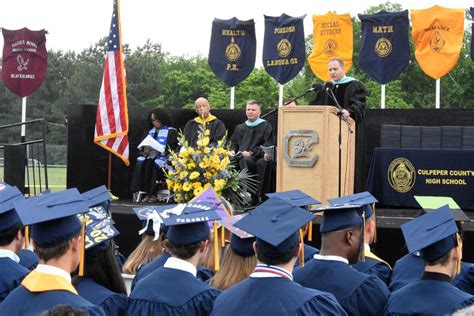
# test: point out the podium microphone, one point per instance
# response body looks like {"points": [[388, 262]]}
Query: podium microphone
{"points": [[317, 87]]}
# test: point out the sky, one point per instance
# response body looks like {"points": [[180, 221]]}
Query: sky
{"points": [[182, 27]]}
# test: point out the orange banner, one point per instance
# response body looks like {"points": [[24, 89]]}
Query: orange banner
{"points": [[332, 37], [438, 34]]}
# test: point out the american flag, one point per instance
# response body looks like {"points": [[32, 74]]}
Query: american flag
{"points": [[111, 126]]}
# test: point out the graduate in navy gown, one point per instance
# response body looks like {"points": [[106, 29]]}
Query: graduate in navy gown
{"points": [[372, 264], [270, 289], [28, 259], [174, 289], [301, 199], [330, 271], [436, 237], [11, 241], [56, 234], [102, 282]]}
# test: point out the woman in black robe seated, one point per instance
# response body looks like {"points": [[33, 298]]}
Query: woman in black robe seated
{"points": [[149, 164]]}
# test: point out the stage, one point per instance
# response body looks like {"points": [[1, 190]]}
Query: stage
{"points": [[390, 243]]}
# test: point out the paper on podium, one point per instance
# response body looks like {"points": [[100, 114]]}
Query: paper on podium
{"points": [[152, 143], [270, 151]]}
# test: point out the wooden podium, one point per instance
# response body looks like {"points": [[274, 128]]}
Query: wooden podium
{"points": [[308, 151]]}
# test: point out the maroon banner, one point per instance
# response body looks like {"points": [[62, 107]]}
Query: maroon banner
{"points": [[25, 60]]}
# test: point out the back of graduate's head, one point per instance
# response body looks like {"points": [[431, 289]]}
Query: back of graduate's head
{"points": [[285, 252], [11, 228], [13, 234], [185, 241], [65, 310]]}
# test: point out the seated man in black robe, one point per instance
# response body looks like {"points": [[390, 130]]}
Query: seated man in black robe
{"points": [[351, 96], [246, 145], [215, 126]]}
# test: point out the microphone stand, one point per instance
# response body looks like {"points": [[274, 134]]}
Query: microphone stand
{"points": [[340, 113]]}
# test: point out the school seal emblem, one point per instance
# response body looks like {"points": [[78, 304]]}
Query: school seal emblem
{"points": [[284, 47], [383, 47], [232, 51], [401, 175]]}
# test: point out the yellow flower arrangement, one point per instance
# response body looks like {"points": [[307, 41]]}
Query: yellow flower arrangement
{"points": [[193, 170]]}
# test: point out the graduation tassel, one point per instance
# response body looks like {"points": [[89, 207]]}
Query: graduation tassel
{"points": [[223, 236], [27, 236], [458, 240], [375, 226], [216, 247], [302, 248], [83, 236], [310, 231], [362, 242]]}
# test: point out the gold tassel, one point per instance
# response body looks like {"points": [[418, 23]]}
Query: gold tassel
{"points": [[459, 251], [83, 242], [310, 231], [223, 236], [302, 248], [375, 225], [362, 241], [27, 236], [216, 247]]}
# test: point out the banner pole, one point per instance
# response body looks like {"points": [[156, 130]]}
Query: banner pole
{"points": [[382, 97], [280, 96], [232, 97], [23, 118], [438, 94]]}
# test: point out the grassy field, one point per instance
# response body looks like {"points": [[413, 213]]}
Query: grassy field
{"points": [[56, 178]]}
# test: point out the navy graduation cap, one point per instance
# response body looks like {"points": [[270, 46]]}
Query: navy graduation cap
{"points": [[98, 235], [52, 216], [295, 197], [433, 234], [362, 199], [339, 217], [188, 223], [8, 215], [242, 246], [275, 223], [97, 196]]}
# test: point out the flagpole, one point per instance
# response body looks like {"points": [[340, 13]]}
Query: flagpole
{"points": [[23, 118], [280, 96], [109, 173], [232, 97], [382, 96], [438, 92]]}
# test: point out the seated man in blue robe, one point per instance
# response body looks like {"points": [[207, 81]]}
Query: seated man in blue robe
{"points": [[372, 264], [11, 241], [174, 289], [436, 237], [330, 270], [56, 233], [270, 289]]}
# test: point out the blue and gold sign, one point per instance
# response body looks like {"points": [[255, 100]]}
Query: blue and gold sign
{"points": [[384, 51], [283, 47], [232, 50]]}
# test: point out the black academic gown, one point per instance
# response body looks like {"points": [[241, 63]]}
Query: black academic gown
{"points": [[11, 275], [216, 128], [146, 173], [352, 97], [433, 294], [358, 293]]}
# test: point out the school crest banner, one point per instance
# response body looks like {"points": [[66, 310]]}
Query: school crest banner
{"points": [[385, 49], [283, 47], [25, 60], [438, 34], [332, 37], [232, 50]]}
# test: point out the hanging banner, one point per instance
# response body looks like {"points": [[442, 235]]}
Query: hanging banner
{"points": [[232, 50], [438, 34], [472, 34], [283, 47], [385, 49], [332, 37], [25, 60]]}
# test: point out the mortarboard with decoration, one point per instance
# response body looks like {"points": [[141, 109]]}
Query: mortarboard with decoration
{"points": [[99, 233], [188, 222], [241, 242], [275, 224], [433, 234], [8, 215], [152, 224]]}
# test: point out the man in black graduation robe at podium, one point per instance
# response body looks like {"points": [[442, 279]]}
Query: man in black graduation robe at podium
{"points": [[351, 96]]}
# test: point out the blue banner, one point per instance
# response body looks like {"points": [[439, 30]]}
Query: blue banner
{"points": [[472, 34], [385, 50], [283, 47], [232, 50]]}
